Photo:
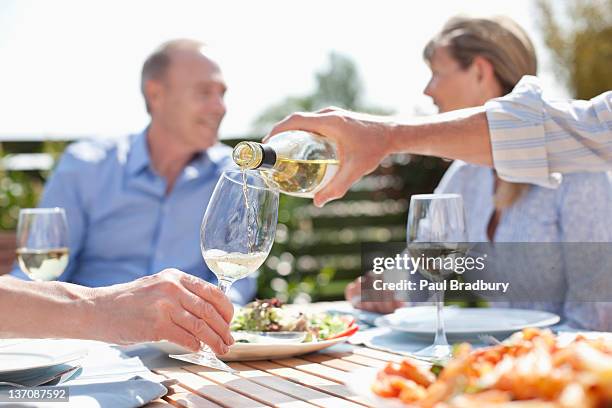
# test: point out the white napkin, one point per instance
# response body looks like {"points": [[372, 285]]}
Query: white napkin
{"points": [[109, 378]]}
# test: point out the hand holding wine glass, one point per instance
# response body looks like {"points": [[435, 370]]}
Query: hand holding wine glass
{"points": [[42, 242], [236, 237]]}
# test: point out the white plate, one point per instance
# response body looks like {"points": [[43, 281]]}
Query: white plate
{"points": [[466, 321], [258, 351], [36, 354]]}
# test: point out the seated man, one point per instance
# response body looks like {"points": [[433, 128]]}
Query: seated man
{"points": [[134, 206]]}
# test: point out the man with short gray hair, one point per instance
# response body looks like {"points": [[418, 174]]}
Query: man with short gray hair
{"points": [[134, 206]]}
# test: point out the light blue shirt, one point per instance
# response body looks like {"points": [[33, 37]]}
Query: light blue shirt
{"points": [[579, 210], [122, 224], [534, 139]]}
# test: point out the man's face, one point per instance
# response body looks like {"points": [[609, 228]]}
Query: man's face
{"points": [[190, 105]]}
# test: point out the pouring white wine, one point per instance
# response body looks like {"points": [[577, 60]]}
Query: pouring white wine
{"points": [[236, 237], [297, 163]]}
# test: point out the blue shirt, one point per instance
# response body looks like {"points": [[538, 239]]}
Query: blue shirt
{"points": [[122, 224], [579, 210]]}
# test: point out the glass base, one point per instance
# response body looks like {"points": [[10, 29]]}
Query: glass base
{"points": [[207, 359], [434, 353]]}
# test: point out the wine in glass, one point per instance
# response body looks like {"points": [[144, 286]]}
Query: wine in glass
{"points": [[437, 232], [236, 237], [42, 242]]}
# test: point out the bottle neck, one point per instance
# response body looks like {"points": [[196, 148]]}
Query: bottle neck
{"points": [[253, 155]]}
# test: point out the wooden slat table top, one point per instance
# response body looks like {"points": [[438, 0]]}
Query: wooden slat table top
{"points": [[308, 381]]}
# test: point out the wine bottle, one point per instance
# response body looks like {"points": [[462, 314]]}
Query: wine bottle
{"points": [[298, 163]]}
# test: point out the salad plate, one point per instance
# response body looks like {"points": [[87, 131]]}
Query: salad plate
{"points": [[262, 331], [259, 351]]}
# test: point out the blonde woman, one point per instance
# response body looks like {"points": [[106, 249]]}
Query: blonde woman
{"points": [[473, 60]]}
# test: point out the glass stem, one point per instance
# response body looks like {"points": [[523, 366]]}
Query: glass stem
{"points": [[440, 339], [225, 286]]}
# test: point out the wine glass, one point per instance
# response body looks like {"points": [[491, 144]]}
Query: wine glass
{"points": [[236, 237], [436, 229], [42, 242]]}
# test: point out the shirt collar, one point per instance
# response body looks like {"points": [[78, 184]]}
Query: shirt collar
{"points": [[138, 158]]}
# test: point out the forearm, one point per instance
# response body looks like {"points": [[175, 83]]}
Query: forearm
{"points": [[461, 135], [45, 309]]}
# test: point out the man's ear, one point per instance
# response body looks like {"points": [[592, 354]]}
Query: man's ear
{"points": [[154, 92]]}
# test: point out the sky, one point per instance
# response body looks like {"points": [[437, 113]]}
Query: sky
{"points": [[71, 68]]}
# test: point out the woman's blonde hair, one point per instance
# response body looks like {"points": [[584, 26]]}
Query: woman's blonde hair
{"points": [[503, 43]]}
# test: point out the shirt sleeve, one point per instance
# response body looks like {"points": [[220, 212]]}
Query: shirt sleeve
{"points": [[62, 190], [535, 140]]}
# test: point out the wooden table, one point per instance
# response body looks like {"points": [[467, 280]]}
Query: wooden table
{"points": [[312, 380]]}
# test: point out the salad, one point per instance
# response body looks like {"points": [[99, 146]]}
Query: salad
{"points": [[269, 315]]}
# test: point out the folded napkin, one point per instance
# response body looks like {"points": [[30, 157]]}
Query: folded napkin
{"points": [[108, 377], [34, 377]]}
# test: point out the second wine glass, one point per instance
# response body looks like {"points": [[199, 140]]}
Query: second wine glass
{"points": [[42, 242], [236, 237], [436, 230]]}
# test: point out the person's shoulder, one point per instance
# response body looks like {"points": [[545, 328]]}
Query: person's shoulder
{"points": [[462, 170], [221, 155], [96, 151], [460, 174], [92, 155]]}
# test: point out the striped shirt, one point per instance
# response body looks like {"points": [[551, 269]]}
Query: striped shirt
{"points": [[534, 140]]}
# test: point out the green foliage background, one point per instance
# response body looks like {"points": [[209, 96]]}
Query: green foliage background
{"points": [[579, 34]]}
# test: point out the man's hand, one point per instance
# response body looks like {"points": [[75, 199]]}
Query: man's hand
{"points": [[170, 305], [362, 140], [383, 303]]}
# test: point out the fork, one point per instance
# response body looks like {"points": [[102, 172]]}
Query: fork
{"points": [[51, 380]]}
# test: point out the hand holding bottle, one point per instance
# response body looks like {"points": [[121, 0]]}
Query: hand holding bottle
{"points": [[362, 142], [294, 162]]}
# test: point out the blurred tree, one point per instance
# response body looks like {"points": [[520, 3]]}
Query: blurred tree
{"points": [[338, 85], [581, 42]]}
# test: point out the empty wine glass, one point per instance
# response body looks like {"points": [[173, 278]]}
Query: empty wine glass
{"points": [[236, 237]]}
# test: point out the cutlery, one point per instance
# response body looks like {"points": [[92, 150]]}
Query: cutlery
{"points": [[489, 340]]}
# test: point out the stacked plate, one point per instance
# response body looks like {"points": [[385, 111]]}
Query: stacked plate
{"points": [[27, 363]]}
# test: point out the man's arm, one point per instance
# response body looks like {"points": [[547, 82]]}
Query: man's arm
{"points": [[524, 137], [170, 305], [363, 141]]}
